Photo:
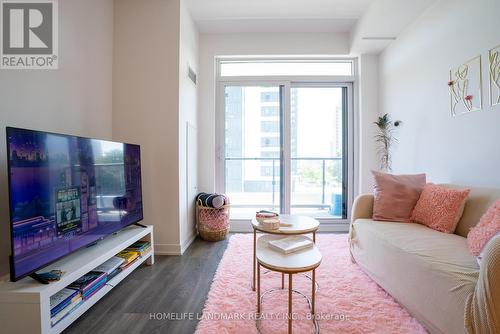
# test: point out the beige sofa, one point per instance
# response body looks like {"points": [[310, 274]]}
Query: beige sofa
{"points": [[432, 274]]}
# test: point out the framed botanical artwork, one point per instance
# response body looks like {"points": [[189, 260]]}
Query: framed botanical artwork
{"points": [[466, 87], [494, 71]]}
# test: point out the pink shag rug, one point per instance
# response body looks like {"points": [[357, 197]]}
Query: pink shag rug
{"points": [[347, 301]]}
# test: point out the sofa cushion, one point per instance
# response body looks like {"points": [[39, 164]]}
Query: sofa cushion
{"points": [[480, 199], [440, 208], [429, 272], [396, 195], [488, 227]]}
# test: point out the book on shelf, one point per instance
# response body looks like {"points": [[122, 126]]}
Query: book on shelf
{"points": [[114, 273], [79, 295], [126, 265], [141, 247], [128, 256], [109, 266], [88, 280], [290, 244], [91, 291], [145, 251], [66, 310], [142, 252], [62, 299]]}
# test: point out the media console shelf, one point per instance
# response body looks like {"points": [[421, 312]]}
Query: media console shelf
{"points": [[25, 304]]}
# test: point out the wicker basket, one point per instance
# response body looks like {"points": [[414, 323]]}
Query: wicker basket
{"points": [[212, 223]]}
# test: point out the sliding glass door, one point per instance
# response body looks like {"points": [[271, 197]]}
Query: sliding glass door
{"points": [[253, 146], [317, 150], [285, 148]]}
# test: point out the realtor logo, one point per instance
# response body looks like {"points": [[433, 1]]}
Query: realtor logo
{"points": [[29, 34]]}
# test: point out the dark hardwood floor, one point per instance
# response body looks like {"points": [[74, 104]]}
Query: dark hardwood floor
{"points": [[174, 285]]}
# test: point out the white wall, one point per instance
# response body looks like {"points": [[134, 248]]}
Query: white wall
{"points": [[74, 99], [146, 106], [414, 72], [213, 45], [188, 113], [369, 112]]}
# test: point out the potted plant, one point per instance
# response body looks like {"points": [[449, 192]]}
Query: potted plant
{"points": [[385, 140]]}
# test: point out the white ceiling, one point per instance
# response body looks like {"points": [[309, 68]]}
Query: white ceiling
{"points": [[213, 9], [273, 25], [223, 16], [385, 19], [361, 19]]}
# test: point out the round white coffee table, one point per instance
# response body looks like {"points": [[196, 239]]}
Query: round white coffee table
{"points": [[298, 262], [290, 225]]}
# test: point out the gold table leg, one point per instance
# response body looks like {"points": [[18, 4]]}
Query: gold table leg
{"points": [[289, 303], [258, 287], [254, 257], [313, 291], [314, 236]]}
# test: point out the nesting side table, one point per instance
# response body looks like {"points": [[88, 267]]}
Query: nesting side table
{"points": [[292, 225], [293, 263]]}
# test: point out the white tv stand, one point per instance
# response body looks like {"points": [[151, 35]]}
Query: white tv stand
{"points": [[24, 305]]}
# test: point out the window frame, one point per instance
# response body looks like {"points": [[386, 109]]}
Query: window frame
{"points": [[267, 60], [288, 82]]}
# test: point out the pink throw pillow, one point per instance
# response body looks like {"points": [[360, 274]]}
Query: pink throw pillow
{"points": [[440, 208], [487, 228], [396, 196]]}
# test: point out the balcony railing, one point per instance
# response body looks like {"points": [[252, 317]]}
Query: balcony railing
{"points": [[274, 177]]}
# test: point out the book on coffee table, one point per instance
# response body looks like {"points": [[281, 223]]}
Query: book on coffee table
{"points": [[290, 244]]}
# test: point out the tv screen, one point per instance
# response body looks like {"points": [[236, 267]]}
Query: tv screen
{"points": [[67, 192]]}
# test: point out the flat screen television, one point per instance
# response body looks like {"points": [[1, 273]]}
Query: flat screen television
{"points": [[67, 192]]}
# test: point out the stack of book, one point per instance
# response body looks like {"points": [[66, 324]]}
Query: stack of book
{"points": [[62, 303], [128, 256], [133, 252], [141, 247], [111, 267], [89, 283], [290, 244]]}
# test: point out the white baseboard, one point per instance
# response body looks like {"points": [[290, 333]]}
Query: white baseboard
{"points": [[174, 249], [244, 226], [333, 227], [186, 243], [168, 249], [240, 226]]}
